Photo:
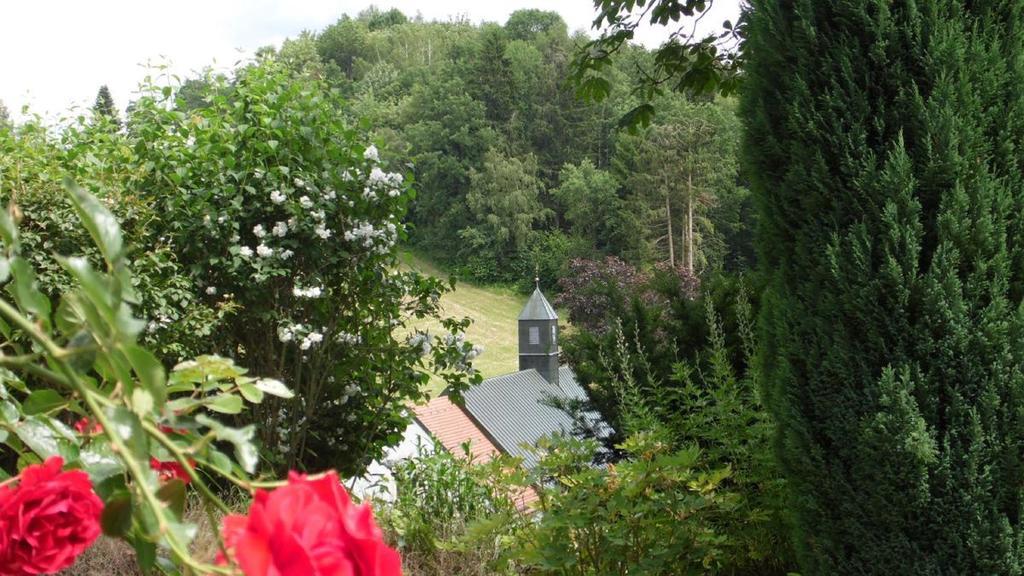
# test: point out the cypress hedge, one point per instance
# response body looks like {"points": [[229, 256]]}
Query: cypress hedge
{"points": [[884, 147]]}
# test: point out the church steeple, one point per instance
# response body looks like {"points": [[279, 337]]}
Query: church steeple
{"points": [[538, 337]]}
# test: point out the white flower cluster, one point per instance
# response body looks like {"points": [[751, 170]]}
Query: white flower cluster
{"points": [[421, 340], [381, 182], [277, 197], [305, 336], [310, 292], [371, 153], [279, 229], [161, 321], [370, 237], [264, 251], [346, 338]]}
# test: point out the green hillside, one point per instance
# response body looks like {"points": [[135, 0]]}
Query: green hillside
{"points": [[494, 311]]}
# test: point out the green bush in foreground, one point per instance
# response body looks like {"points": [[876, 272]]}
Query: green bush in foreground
{"points": [[883, 148]]}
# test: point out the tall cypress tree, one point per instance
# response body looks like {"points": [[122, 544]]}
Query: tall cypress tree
{"points": [[884, 146]]}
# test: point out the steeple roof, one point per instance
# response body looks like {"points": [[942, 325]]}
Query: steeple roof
{"points": [[538, 308]]}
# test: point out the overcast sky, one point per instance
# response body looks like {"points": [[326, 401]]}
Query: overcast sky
{"points": [[56, 54]]}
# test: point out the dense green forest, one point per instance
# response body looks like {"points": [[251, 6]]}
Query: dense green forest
{"points": [[515, 174]]}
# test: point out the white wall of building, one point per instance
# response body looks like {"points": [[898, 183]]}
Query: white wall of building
{"points": [[378, 482]]}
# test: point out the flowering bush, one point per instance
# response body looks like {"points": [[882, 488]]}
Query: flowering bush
{"points": [[288, 213], [139, 434]]}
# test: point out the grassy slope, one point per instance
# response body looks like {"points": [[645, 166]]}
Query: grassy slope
{"points": [[494, 311]]}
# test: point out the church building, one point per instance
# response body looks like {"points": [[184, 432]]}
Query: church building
{"points": [[503, 414]]}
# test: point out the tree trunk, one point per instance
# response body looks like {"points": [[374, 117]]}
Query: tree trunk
{"points": [[671, 241], [689, 222]]}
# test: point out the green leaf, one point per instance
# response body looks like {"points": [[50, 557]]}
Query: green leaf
{"points": [[99, 462], [274, 388], [25, 290], [145, 554], [128, 428], [142, 401], [225, 404], [8, 411], [100, 223], [116, 518], [94, 286], [173, 494], [39, 437], [149, 370], [241, 438], [251, 392], [8, 229], [42, 401]]}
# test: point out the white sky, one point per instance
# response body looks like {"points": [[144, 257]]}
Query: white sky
{"points": [[55, 54]]}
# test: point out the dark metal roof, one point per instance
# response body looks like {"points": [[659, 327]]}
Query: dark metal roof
{"points": [[538, 308], [515, 409]]}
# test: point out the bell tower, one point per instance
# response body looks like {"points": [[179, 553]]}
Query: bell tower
{"points": [[538, 337]]}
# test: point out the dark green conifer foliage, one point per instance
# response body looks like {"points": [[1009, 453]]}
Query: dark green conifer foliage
{"points": [[104, 105], [884, 147]]}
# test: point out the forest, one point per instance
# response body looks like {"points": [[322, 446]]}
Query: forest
{"points": [[515, 175]]}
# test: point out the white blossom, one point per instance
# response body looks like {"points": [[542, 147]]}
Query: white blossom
{"points": [[245, 251], [371, 153], [211, 290], [306, 202], [258, 231], [310, 292], [277, 197], [257, 174], [286, 254], [280, 229], [299, 183], [322, 231], [346, 338], [330, 194], [264, 251]]}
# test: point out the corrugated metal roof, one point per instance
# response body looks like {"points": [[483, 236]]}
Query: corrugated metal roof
{"points": [[538, 308], [515, 409], [452, 428]]}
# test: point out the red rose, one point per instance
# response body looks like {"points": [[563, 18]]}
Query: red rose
{"points": [[309, 528], [88, 427], [170, 469], [47, 520]]}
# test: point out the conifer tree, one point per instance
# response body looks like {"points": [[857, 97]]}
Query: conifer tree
{"points": [[104, 105], [884, 146]]}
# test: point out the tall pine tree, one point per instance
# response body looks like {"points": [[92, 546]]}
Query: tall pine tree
{"points": [[885, 148], [104, 105]]}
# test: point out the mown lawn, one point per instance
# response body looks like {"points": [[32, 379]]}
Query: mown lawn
{"points": [[494, 311]]}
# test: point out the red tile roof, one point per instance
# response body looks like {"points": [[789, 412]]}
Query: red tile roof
{"points": [[452, 427]]}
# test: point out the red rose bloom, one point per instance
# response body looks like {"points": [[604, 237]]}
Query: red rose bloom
{"points": [[309, 528], [88, 427], [170, 469], [47, 520]]}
